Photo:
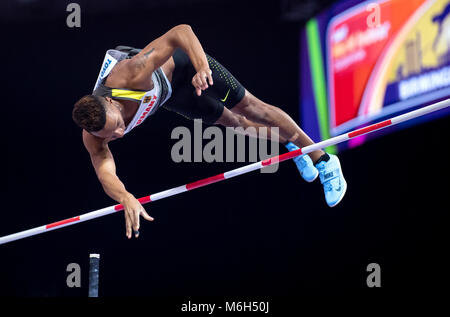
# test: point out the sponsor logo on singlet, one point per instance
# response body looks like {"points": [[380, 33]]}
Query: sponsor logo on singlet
{"points": [[147, 109], [105, 67]]}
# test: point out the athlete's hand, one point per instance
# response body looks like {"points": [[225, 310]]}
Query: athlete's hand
{"points": [[132, 210], [201, 79]]}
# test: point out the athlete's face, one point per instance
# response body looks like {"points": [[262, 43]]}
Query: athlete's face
{"points": [[115, 126]]}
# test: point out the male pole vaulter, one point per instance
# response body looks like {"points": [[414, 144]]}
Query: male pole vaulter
{"points": [[174, 71]]}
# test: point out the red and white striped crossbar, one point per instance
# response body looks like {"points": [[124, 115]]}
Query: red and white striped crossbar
{"points": [[232, 173]]}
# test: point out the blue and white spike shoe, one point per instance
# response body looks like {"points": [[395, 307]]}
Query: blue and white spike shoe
{"points": [[332, 179], [304, 164]]}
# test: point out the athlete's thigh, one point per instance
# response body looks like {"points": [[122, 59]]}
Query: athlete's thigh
{"points": [[226, 92], [226, 88], [186, 103]]}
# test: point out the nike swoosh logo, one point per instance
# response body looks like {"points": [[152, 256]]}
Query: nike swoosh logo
{"points": [[340, 186], [224, 99]]}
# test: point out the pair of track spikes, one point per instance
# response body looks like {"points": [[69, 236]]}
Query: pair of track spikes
{"points": [[329, 171]]}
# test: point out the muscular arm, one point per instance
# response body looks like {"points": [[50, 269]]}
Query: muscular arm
{"points": [[160, 50], [105, 168]]}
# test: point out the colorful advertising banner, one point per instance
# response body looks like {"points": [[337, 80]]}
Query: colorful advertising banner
{"points": [[364, 61], [384, 57]]}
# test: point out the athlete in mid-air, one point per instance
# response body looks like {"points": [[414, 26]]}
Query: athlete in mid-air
{"points": [[174, 71]]}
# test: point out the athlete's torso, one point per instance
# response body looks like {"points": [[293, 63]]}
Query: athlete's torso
{"points": [[139, 97], [116, 79]]}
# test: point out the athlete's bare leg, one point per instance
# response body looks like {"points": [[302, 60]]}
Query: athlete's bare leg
{"points": [[252, 112], [233, 120]]}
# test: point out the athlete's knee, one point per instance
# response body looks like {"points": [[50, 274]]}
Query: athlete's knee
{"points": [[256, 110], [240, 121], [233, 120], [264, 113]]}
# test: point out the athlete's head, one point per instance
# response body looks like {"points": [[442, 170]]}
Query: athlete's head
{"points": [[99, 116]]}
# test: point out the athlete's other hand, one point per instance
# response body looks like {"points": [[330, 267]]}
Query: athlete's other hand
{"points": [[201, 79], [132, 210]]}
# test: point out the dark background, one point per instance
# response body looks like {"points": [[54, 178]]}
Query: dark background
{"points": [[257, 234]]}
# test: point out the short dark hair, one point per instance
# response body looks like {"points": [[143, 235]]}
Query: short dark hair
{"points": [[89, 113]]}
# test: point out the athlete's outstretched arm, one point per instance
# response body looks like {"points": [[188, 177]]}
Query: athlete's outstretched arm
{"points": [[105, 168], [160, 50]]}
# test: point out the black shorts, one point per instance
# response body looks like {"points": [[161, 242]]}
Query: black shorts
{"points": [[226, 91]]}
